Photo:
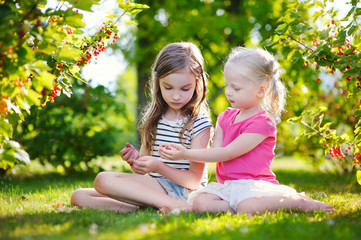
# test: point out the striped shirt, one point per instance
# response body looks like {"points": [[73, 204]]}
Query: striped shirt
{"points": [[168, 132]]}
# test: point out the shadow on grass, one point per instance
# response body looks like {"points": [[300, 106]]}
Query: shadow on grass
{"points": [[319, 182], [301, 180], [148, 224], [42, 182], [77, 224]]}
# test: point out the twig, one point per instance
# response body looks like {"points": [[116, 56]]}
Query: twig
{"points": [[300, 43]]}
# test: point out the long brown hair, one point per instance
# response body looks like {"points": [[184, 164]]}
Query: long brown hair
{"points": [[174, 57]]}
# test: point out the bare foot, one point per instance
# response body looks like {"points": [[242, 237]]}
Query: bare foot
{"points": [[310, 204], [176, 210]]}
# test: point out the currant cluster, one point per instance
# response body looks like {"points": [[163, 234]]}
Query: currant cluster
{"points": [[357, 159], [336, 152], [98, 44], [50, 95], [4, 106], [337, 52]]}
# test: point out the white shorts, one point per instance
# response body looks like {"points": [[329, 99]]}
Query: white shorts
{"points": [[235, 191]]}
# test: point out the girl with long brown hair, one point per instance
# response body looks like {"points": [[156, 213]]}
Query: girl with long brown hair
{"points": [[177, 113]]}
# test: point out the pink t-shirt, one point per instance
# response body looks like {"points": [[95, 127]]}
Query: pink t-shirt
{"points": [[256, 163]]}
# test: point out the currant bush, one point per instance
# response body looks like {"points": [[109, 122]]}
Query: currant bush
{"points": [[328, 48], [42, 51]]}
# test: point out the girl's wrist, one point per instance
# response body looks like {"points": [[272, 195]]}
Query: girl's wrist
{"points": [[158, 166], [186, 154]]}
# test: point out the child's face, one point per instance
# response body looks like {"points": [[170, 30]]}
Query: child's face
{"points": [[241, 92], [177, 89]]}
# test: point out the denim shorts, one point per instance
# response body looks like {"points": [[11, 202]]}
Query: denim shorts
{"points": [[174, 190]]}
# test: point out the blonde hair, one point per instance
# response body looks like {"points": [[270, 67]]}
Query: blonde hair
{"points": [[174, 57], [262, 68]]}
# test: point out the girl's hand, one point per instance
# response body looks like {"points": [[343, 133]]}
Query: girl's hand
{"points": [[172, 151], [146, 164], [129, 152]]}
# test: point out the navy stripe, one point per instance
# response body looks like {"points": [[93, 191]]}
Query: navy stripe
{"points": [[168, 132], [170, 136], [202, 129]]}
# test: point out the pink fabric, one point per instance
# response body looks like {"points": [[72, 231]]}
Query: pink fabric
{"points": [[256, 163]]}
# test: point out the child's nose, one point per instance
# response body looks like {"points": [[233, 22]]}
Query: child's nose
{"points": [[227, 92], [176, 95]]}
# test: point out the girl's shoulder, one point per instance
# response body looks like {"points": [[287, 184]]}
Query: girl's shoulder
{"points": [[260, 123], [263, 117], [203, 119], [202, 122], [229, 113]]}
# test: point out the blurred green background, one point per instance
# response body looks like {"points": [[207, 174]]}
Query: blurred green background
{"points": [[97, 121]]}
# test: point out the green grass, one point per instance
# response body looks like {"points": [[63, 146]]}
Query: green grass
{"points": [[35, 218]]}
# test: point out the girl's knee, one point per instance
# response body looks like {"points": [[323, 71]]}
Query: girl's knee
{"points": [[77, 197], [100, 181], [198, 205], [247, 206]]}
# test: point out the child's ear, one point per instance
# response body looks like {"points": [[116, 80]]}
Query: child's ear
{"points": [[262, 91]]}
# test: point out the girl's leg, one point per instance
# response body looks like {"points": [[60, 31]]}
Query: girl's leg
{"points": [[138, 190], [207, 202], [297, 203], [89, 197]]}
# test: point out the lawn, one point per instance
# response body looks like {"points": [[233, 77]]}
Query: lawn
{"points": [[29, 210]]}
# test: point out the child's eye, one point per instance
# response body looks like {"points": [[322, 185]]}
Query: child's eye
{"points": [[167, 88], [185, 89]]}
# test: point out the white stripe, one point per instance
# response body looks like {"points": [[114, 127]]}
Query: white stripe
{"points": [[168, 132]]}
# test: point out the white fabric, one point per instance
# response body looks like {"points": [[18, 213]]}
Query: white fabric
{"points": [[235, 191]]}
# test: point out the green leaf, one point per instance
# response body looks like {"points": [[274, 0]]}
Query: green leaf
{"points": [[358, 176], [326, 126], [341, 36], [69, 53], [5, 11], [129, 22], [45, 79], [33, 97], [123, 4], [358, 11], [349, 14], [353, 29], [281, 29], [11, 152], [84, 4], [111, 15], [23, 103], [144, 6], [41, 65], [22, 156], [5, 128], [134, 12], [5, 164], [75, 20], [322, 109]]}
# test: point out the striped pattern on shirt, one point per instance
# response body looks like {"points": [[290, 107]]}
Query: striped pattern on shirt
{"points": [[168, 132]]}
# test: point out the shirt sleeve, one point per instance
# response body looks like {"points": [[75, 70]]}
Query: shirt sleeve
{"points": [[201, 123], [223, 117], [262, 125]]}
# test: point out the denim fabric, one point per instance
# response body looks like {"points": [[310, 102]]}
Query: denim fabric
{"points": [[174, 190]]}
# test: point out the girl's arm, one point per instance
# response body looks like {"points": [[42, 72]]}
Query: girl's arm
{"points": [[189, 179], [241, 145], [218, 137]]}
